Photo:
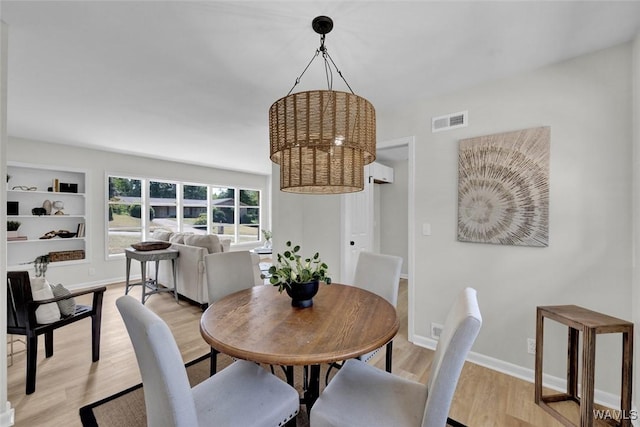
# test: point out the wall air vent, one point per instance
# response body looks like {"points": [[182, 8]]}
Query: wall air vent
{"points": [[450, 121]]}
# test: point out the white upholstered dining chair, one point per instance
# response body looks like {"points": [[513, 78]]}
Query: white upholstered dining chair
{"points": [[380, 274], [242, 394], [229, 272], [363, 395]]}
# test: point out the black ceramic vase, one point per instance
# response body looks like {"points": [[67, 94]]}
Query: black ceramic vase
{"points": [[302, 293]]}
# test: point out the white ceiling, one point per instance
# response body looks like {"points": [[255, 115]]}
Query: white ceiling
{"points": [[193, 81]]}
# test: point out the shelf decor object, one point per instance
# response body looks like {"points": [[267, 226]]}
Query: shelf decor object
{"points": [[322, 139], [150, 246], [66, 255], [59, 206], [12, 228], [13, 208], [503, 188]]}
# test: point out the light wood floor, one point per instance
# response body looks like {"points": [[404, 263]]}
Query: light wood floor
{"points": [[68, 380]]}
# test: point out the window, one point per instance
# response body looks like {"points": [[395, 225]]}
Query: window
{"points": [[163, 211], [223, 212], [125, 207], [235, 214], [194, 209], [229, 212], [249, 228]]}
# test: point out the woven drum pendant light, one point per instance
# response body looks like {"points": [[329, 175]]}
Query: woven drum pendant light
{"points": [[322, 139]]}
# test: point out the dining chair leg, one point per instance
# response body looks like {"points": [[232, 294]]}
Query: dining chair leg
{"points": [[331, 366], [48, 344], [453, 423], [288, 373], [32, 357], [389, 356], [213, 356]]}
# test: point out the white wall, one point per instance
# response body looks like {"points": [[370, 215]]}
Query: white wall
{"points": [[392, 223], [99, 164], [311, 221], [6, 412], [635, 297], [587, 104]]}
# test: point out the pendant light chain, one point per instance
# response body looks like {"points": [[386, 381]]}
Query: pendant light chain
{"points": [[340, 73], [303, 71], [327, 68]]}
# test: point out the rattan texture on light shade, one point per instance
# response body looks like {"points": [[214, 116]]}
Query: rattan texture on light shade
{"points": [[322, 140]]}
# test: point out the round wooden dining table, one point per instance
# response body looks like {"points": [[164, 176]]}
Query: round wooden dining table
{"points": [[259, 324]]}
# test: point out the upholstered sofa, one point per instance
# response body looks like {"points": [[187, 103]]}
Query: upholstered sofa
{"points": [[190, 267]]}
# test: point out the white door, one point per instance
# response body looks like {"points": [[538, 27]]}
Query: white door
{"points": [[357, 227]]}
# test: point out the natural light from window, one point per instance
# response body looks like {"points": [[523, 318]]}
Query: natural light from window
{"points": [[229, 212]]}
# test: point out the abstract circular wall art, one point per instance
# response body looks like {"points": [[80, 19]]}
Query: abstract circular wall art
{"points": [[503, 188]]}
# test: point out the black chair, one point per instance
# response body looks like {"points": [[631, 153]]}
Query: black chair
{"points": [[21, 319]]}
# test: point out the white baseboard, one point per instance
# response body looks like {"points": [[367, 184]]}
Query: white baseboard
{"points": [[7, 417], [104, 282], [609, 400]]}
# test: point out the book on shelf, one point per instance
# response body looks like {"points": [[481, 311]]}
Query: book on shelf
{"points": [[56, 185], [15, 238], [80, 230]]}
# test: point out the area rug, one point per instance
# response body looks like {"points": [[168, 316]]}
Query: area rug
{"points": [[126, 408]]}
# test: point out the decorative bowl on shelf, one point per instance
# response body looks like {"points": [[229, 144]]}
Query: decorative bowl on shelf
{"points": [[38, 211], [65, 234]]}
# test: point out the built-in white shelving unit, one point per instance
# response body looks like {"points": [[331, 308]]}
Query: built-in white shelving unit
{"points": [[31, 186]]}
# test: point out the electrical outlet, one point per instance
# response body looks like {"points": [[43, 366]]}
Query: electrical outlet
{"points": [[436, 330], [531, 346]]}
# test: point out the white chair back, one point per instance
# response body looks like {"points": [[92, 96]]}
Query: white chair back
{"points": [[228, 272], [379, 274], [167, 393], [460, 330]]}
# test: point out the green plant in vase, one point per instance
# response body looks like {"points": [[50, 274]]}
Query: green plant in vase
{"points": [[13, 225], [298, 276], [267, 234], [12, 228]]}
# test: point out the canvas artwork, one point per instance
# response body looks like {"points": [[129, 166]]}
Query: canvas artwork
{"points": [[503, 188]]}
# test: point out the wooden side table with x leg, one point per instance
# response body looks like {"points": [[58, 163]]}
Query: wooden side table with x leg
{"points": [[588, 323]]}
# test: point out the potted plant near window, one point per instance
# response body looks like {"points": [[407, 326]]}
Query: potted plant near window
{"points": [[266, 234], [12, 228], [299, 277]]}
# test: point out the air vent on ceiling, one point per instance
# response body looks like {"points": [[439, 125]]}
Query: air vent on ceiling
{"points": [[450, 121]]}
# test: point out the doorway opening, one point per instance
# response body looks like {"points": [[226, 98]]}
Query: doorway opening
{"points": [[382, 217]]}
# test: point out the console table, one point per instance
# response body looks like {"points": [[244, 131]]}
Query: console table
{"points": [[589, 323], [151, 286]]}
